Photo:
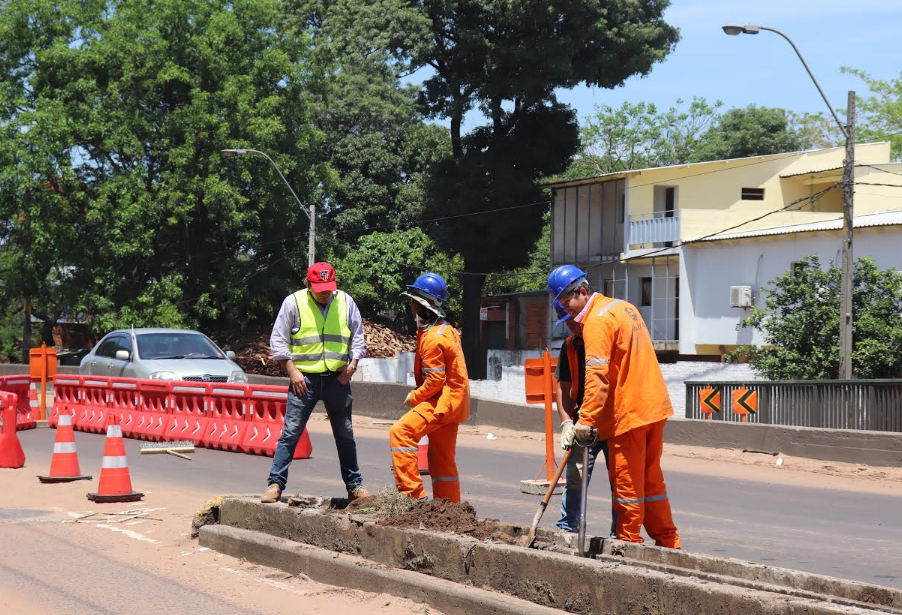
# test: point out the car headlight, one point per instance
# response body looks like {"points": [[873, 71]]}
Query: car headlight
{"points": [[237, 376], [163, 376]]}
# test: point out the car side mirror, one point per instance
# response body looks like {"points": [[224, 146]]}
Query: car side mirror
{"points": [[123, 355], [230, 354]]}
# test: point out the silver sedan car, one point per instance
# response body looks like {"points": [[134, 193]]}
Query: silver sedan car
{"points": [[161, 354]]}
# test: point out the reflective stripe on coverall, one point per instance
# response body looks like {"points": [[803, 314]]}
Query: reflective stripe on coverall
{"points": [[626, 400], [440, 402]]}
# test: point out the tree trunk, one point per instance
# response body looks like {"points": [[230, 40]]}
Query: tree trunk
{"points": [[474, 352], [26, 332]]}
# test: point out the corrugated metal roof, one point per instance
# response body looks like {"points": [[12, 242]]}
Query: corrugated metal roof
{"points": [[566, 182], [815, 172], [886, 218]]}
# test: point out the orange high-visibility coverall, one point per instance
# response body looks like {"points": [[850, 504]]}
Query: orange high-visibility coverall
{"points": [[439, 403], [626, 400]]}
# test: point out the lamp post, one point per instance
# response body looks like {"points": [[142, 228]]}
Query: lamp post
{"points": [[848, 131], [310, 212]]}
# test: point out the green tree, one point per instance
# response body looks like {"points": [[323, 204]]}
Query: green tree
{"points": [[505, 60], [800, 323], [880, 114], [816, 130], [375, 137], [637, 135], [749, 131], [530, 277], [378, 268], [124, 107]]}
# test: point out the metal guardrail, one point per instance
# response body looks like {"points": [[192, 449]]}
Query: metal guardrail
{"points": [[873, 405]]}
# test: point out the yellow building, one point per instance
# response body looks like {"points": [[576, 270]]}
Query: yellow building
{"points": [[628, 230]]}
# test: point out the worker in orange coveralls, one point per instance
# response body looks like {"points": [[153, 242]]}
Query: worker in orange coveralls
{"points": [[440, 402], [625, 402]]}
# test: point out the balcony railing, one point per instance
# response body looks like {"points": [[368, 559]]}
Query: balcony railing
{"points": [[653, 228]]}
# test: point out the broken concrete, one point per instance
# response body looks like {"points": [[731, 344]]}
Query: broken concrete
{"points": [[620, 577]]}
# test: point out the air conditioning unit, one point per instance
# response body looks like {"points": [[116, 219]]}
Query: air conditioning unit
{"points": [[741, 296]]}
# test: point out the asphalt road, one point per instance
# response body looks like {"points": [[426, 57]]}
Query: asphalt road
{"points": [[848, 534]]}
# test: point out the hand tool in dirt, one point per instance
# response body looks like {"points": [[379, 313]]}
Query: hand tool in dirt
{"points": [[584, 496], [527, 540], [173, 448]]}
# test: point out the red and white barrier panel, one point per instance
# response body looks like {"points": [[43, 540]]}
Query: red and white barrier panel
{"points": [[20, 386], [230, 417]]}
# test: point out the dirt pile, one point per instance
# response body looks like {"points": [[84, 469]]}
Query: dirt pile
{"points": [[445, 516], [253, 354]]}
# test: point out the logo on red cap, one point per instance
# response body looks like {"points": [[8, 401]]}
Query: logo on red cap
{"points": [[321, 277]]}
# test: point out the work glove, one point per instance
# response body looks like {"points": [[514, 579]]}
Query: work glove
{"points": [[567, 433], [585, 435], [407, 400]]}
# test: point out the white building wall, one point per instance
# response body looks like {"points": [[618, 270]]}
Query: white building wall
{"points": [[709, 269]]}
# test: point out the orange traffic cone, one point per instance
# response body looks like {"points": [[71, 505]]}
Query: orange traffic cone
{"points": [[64, 464], [115, 482], [11, 453], [423, 455]]}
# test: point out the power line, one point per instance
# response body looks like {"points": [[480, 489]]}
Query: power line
{"points": [[878, 168], [811, 198], [876, 184]]}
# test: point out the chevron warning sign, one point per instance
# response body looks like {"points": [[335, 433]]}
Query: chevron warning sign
{"points": [[745, 402], [709, 401]]}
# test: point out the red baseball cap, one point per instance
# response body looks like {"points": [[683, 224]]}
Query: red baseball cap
{"points": [[321, 277]]}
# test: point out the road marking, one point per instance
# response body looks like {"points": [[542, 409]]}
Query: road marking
{"points": [[284, 586], [134, 535]]}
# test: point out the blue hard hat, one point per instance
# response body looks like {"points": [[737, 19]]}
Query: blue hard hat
{"points": [[562, 277], [562, 314], [433, 285]]}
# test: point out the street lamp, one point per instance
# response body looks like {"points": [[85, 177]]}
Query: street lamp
{"points": [[848, 131], [310, 212]]}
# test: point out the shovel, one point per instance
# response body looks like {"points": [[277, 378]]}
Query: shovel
{"points": [[527, 540], [584, 496]]}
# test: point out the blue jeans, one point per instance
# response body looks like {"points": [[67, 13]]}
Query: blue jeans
{"points": [[337, 399], [570, 501]]}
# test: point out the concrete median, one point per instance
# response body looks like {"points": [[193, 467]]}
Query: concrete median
{"points": [[618, 578], [876, 448]]}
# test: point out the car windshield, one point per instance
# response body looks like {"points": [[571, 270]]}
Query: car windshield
{"points": [[176, 346]]}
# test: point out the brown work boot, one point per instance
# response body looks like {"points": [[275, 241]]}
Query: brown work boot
{"points": [[272, 494], [358, 492]]}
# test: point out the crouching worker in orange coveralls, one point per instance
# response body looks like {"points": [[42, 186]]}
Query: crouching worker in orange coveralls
{"points": [[625, 402], [440, 402]]}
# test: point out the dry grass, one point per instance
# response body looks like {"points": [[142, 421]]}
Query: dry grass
{"points": [[390, 503]]}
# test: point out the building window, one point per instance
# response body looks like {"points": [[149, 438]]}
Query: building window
{"points": [[753, 194], [621, 214], [645, 299], [608, 288]]}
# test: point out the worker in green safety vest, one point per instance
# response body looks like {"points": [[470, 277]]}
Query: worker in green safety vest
{"points": [[318, 340]]}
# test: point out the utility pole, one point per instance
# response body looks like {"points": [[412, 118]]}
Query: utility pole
{"points": [[848, 262], [845, 303], [310, 211]]}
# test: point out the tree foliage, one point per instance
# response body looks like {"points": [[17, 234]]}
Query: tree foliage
{"points": [[880, 114], [800, 323], [125, 108], [638, 135], [376, 139], [380, 265], [505, 60], [749, 131]]}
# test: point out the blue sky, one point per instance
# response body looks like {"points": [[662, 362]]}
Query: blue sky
{"points": [[763, 69]]}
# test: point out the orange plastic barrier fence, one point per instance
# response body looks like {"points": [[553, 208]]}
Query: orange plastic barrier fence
{"points": [[20, 386], [230, 417]]}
